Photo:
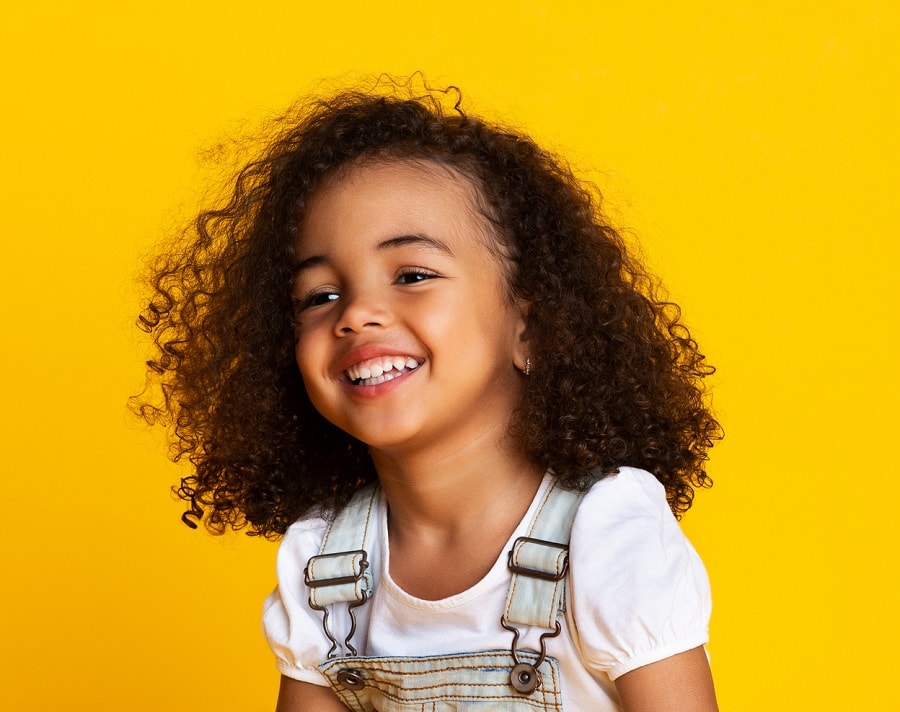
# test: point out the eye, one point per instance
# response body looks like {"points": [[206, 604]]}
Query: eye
{"points": [[414, 275], [314, 299]]}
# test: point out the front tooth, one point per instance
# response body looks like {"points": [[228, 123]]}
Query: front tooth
{"points": [[376, 369], [364, 372], [411, 363]]}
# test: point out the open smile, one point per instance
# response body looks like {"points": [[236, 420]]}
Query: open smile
{"points": [[373, 371]]}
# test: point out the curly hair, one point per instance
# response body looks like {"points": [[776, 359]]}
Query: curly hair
{"points": [[618, 378]]}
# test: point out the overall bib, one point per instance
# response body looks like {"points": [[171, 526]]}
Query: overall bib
{"points": [[511, 680]]}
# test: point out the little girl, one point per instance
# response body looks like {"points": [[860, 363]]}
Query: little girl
{"points": [[411, 346]]}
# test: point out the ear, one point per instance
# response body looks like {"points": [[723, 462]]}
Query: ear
{"points": [[521, 345]]}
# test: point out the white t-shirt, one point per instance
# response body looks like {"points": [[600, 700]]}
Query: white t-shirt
{"points": [[637, 593]]}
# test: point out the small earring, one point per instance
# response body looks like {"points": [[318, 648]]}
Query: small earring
{"points": [[527, 366]]}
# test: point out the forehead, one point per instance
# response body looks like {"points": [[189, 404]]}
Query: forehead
{"points": [[403, 195]]}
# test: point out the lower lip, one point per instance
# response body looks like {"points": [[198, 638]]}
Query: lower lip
{"points": [[379, 389]]}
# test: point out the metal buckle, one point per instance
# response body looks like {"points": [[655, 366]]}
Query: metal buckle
{"points": [[332, 653], [537, 573], [337, 580], [525, 677]]}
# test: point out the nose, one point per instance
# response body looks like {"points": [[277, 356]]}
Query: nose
{"points": [[361, 311]]}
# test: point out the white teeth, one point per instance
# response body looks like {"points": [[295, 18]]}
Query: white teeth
{"points": [[375, 371]]}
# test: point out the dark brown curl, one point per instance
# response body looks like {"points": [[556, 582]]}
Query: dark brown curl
{"points": [[617, 378]]}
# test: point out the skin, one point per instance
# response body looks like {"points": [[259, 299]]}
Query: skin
{"points": [[394, 264], [390, 265], [681, 683]]}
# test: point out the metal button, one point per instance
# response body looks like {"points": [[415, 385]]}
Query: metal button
{"points": [[524, 678], [351, 679]]}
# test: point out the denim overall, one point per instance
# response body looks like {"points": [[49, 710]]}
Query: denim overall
{"points": [[512, 680]]}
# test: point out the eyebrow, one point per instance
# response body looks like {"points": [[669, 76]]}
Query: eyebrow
{"points": [[389, 244], [418, 240]]}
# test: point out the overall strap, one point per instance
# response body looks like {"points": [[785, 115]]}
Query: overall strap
{"points": [[340, 572], [539, 561]]}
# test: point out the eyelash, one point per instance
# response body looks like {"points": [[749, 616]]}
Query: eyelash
{"points": [[310, 300], [419, 275], [416, 272]]}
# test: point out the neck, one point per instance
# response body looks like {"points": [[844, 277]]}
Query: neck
{"points": [[447, 492], [451, 512]]}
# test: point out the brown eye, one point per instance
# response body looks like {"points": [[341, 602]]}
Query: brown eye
{"points": [[414, 276], [316, 299]]}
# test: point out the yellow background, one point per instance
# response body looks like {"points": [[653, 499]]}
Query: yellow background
{"points": [[751, 146]]}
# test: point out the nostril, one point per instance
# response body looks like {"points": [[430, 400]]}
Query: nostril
{"points": [[358, 312]]}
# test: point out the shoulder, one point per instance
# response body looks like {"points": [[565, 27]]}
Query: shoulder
{"points": [[630, 504], [625, 493], [290, 627], [624, 524], [351, 528], [625, 520], [293, 629], [639, 592], [302, 540]]}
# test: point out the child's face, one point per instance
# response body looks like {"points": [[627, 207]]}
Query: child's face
{"points": [[406, 336]]}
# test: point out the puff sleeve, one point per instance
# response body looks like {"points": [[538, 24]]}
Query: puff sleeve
{"points": [[638, 591], [293, 630]]}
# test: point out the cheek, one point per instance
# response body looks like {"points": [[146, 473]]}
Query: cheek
{"points": [[314, 356], [305, 353], [306, 364]]}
